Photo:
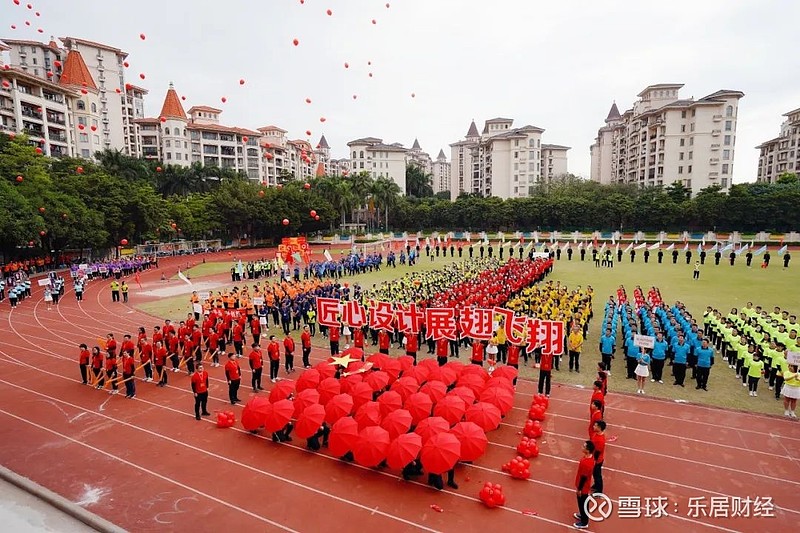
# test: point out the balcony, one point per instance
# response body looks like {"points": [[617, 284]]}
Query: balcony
{"points": [[53, 97], [56, 119], [717, 118], [716, 133], [714, 161], [32, 113], [57, 137], [715, 146]]}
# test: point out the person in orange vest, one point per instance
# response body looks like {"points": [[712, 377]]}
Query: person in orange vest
{"points": [[441, 351], [383, 342], [477, 352], [411, 345], [288, 346], [305, 341], [233, 374], [200, 390], [274, 353]]}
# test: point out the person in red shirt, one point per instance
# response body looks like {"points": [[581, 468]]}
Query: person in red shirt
{"points": [[233, 374], [157, 335], [512, 357], [173, 345], [223, 336], [583, 482], [168, 327], [545, 370], [127, 345], [274, 353], [190, 321], [111, 345], [598, 395], [383, 342], [305, 342], [83, 363], [288, 346], [128, 369], [160, 360], [358, 338], [188, 355], [412, 345], [598, 438], [595, 414], [255, 329], [602, 375], [111, 371], [256, 361], [213, 346], [333, 336], [477, 352], [200, 390], [238, 339], [141, 337], [146, 354], [197, 343], [97, 367], [442, 346]]}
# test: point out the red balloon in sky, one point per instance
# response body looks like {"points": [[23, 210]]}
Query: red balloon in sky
{"points": [[296, 42], [241, 82], [413, 95], [374, 21], [224, 99], [142, 36], [126, 64], [285, 221], [355, 96], [387, 6], [183, 98], [347, 65], [329, 12], [322, 119], [118, 91], [308, 100], [141, 75], [13, 26], [308, 132], [370, 74]]}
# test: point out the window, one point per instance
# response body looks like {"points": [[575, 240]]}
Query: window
{"points": [[532, 154], [169, 155], [691, 126], [689, 170], [354, 154], [167, 144], [538, 143], [85, 151], [178, 156], [516, 155], [680, 170], [728, 125], [532, 143], [683, 141], [727, 140], [690, 154], [94, 107], [184, 132], [691, 141], [680, 156], [82, 121], [166, 131], [516, 178], [361, 154], [94, 122], [516, 166], [726, 154], [683, 128], [83, 137], [516, 142], [683, 114], [725, 168], [81, 105], [531, 166], [729, 111], [96, 139], [693, 112]]}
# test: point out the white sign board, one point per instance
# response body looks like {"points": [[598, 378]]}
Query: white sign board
{"points": [[793, 358], [204, 296], [258, 301], [43, 282], [644, 341], [540, 255]]}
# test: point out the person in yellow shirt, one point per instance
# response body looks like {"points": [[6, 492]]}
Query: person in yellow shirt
{"points": [[791, 391], [574, 346], [502, 345]]}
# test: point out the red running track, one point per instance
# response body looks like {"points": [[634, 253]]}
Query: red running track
{"points": [[146, 464]]}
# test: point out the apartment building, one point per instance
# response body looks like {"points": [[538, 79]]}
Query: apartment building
{"points": [[553, 161], [416, 156], [440, 170], [664, 138], [781, 154], [370, 154]]}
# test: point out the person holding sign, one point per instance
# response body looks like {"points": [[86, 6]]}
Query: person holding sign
{"points": [[642, 370], [791, 385]]}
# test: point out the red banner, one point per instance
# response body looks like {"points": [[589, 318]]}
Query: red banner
{"points": [[294, 245], [445, 322]]}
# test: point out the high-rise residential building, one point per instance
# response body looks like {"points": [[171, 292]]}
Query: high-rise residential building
{"points": [[419, 158], [781, 154], [380, 160], [502, 161], [440, 169], [554, 161], [663, 139]]}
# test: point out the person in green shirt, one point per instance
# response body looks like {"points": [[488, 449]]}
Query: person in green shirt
{"points": [[732, 342], [778, 367], [754, 372], [791, 391], [749, 353]]}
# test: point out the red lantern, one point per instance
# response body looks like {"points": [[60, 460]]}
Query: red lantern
{"points": [[158, 169], [296, 42], [316, 217], [285, 221], [124, 242], [20, 179], [241, 82], [42, 209], [163, 119], [307, 186], [79, 170], [313, 213], [42, 233], [142, 36], [244, 139]]}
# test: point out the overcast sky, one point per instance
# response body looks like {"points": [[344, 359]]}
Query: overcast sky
{"points": [[556, 65]]}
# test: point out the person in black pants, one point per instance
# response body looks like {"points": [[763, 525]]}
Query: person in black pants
{"points": [[200, 390], [233, 373], [599, 441]]}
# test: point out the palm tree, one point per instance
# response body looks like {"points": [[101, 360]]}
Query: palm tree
{"points": [[417, 182], [361, 186], [121, 165], [385, 192], [345, 198]]}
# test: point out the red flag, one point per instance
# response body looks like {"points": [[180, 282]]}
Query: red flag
{"points": [[138, 280]]}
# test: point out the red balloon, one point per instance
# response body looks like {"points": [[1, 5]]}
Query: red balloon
{"points": [[80, 127], [374, 21], [244, 139], [20, 179], [93, 128], [42, 210], [79, 170], [387, 6], [279, 186], [49, 74], [38, 150], [347, 65], [285, 221], [118, 91], [43, 233], [307, 186], [163, 119], [313, 213], [174, 225], [57, 64], [308, 100], [183, 98], [126, 64], [40, 30], [84, 91], [124, 242], [329, 12], [6, 84], [158, 169], [322, 119], [308, 132], [355, 96], [296, 42], [16, 2], [224, 99], [13, 26], [370, 74], [241, 82], [413, 95], [141, 75], [316, 217], [128, 86], [30, 243], [142, 36], [369, 63]]}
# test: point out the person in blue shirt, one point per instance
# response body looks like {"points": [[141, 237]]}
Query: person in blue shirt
{"points": [[680, 352], [608, 345], [642, 370], [659, 354], [705, 359], [631, 355]]}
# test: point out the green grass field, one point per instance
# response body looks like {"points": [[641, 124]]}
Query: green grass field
{"points": [[720, 286]]}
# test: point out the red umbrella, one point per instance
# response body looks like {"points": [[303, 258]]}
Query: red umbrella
{"points": [[508, 372], [486, 415], [279, 415], [393, 368], [405, 386], [343, 437], [339, 406], [378, 380], [419, 372], [402, 450], [473, 381], [502, 382], [476, 370], [435, 389], [371, 447], [443, 374], [377, 359], [465, 393], [281, 390], [255, 413], [451, 408], [348, 382], [499, 397], [361, 393], [308, 380], [457, 366], [440, 453], [406, 363], [397, 422], [368, 414], [390, 401], [354, 353], [310, 421], [431, 426], [419, 405], [430, 364], [303, 399], [472, 438], [328, 388], [356, 365], [325, 369]]}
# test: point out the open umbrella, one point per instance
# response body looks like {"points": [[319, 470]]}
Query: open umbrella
{"points": [[310, 421], [431, 426], [476, 370], [397, 422], [406, 363], [472, 438], [255, 413], [353, 353], [368, 414], [281, 390], [499, 397], [435, 389], [465, 393], [473, 381], [279, 415], [444, 374], [457, 366], [325, 369], [339, 406], [508, 372], [405, 386], [486, 415], [347, 382], [343, 437], [393, 368], [430, 364], [377, 359], [403, 449], [451, 408], [309, 379], [440, 453], [419, 405], [303, 399], [354, 366], [371, 447], [419, 372], [378, 380], [502, 382], [328, 388], [361, 393], [390, 401]]}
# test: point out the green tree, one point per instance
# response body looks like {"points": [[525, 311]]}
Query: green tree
{"points": [[418, 183]]}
